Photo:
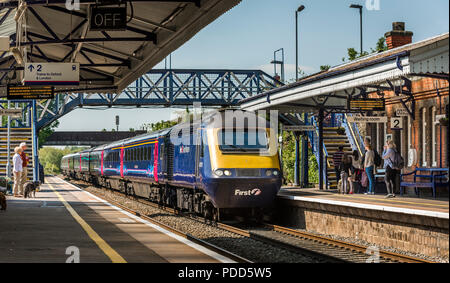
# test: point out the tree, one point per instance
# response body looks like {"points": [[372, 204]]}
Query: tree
{"points": [[46, 132], [381, 45], [324, 68], [50, 157], [353, 54]]}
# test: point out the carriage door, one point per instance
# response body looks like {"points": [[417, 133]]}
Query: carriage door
{"points": [[198, 155], [122, 151]]}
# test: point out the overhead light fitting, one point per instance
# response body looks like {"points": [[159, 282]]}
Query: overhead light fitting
{"points": [[17, 55], [20, 11]]}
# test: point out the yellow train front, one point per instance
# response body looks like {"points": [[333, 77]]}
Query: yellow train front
{"points": [[239, 165]]}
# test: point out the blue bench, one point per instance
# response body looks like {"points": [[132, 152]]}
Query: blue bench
{"points": [[438, 177]]}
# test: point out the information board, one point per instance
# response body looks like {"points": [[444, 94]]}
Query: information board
{"points": [[303, 128], [367, 104], [396, 123], [30, 92], [108, 18], [52, 74], [367, 119], [13, 113]]}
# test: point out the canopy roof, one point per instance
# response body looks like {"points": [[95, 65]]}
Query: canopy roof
{"points": [[109, 60], [331, 89]]}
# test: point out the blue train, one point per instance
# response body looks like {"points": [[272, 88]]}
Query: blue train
{"points": [[209, 170]]}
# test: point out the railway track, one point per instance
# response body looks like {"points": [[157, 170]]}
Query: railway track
{"points": [[187, 236], [323, 248], [348, 249]]}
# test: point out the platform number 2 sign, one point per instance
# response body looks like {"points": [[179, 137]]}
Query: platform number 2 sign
{"points": [[396, 123]]}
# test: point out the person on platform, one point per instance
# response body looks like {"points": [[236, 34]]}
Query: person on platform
{"points": [[357, 165], [391, 173], [337, 160], [346, 174], [17, 172], [369, 167], [25, 161]]}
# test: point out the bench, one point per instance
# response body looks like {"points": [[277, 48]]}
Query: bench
{"points": [[438, 177]]}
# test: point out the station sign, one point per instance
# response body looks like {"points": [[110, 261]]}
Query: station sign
{"points": [[397, 123], [367, 104], [401, 112], [52, 74], [302, 128], [13, 113], [30, 92], [108, 18], [367, 119]]}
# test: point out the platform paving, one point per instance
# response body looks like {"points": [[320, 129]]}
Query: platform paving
{"points": [[61, 216], [440, 205]]}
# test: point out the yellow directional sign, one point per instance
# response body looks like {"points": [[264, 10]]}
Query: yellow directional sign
{"points": [[367, 104], [30, 92]]}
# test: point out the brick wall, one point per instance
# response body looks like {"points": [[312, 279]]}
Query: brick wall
{"points": [[411, 233], [426, 97]]}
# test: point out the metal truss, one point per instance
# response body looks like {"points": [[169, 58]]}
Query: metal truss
{"points": [[166, 88]]}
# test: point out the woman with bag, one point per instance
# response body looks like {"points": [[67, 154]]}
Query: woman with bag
{"points": [[357, 171], [369, 167], [391, 171]]}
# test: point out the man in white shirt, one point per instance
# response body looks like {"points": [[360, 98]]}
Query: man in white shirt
{"points": [[17, 171]]}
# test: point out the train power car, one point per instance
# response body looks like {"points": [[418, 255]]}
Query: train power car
{"points": [[203, 168]]}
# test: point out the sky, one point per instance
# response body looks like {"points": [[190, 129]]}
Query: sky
{"points": [[246, 37]]}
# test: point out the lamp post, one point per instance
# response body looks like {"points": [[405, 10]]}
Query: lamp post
{"points": [[355, 6], [276, 62], [301, 8]]}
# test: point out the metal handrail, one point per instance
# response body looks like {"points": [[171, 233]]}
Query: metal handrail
{"points": [[354, 135]]}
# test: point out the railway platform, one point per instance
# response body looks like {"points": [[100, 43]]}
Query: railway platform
{"points": [[66, 224], [410, 224]]}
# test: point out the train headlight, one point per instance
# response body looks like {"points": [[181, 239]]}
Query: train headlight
{"points": [[219, 173], [269, 173], [276, 173], [227, 172]]}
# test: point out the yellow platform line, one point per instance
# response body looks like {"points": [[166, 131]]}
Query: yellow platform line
{"points": [[396, 201], [107, 249]]}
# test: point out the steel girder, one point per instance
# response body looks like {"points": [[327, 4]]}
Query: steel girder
{"points": [[166, 88]]}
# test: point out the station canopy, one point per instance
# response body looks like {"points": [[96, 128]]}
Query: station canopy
{"points": [[110, 60], [386, 71]]}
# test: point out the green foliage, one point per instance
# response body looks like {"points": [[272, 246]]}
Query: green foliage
{"points": [[47, 132], [324, 68], [161, 125], [381, 45], [353, 54], [50, 157], [289, 160]]}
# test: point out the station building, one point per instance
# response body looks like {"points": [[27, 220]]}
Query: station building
{"points": [[422, 105]]}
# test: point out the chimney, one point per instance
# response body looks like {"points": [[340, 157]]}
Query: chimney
{"points": [[398, 36]]}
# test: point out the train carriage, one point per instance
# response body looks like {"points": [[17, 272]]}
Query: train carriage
{"points": [[201, 168]]}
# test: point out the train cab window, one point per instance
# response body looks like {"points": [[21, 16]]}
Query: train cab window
{"points": [[243, 140]]}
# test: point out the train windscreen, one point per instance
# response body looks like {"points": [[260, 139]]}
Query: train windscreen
{"points": [[243, 140]]}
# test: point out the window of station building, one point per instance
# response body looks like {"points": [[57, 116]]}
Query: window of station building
{"points": [[434, 131], [424, 137]]}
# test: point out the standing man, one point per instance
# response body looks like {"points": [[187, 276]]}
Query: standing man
{"points": [[25, 161]]}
